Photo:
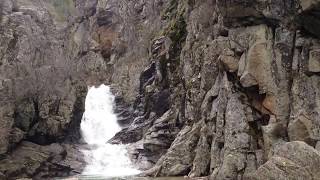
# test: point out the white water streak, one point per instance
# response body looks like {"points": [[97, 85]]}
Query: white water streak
{"points": [[98, 125]]}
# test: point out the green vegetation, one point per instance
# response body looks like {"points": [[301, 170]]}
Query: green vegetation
{"points": [[177, 33], [176, 30], [171, 10]]}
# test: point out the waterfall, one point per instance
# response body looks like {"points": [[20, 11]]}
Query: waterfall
{"points": [[98, 125]]}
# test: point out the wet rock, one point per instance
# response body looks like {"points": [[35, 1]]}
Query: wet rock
{"points": [[124, 111], [133, 133]]}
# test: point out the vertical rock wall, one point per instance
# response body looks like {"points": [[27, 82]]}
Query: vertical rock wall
{"points": [[230, 86], [47, 59]]}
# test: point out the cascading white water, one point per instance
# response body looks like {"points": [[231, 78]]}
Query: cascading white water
{"points": [[98, 125]]}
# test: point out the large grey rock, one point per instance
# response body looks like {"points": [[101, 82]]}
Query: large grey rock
{"points": [[293, 160], [178, 160], [32, 160]]}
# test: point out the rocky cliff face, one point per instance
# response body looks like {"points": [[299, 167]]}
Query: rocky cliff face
{"points": [[226, 89], [47, 60]]}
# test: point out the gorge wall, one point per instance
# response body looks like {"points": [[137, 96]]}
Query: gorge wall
{"points": [[228, 89], [47, 60]]}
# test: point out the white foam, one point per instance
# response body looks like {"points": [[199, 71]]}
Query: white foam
{"points": [[98, 125]]}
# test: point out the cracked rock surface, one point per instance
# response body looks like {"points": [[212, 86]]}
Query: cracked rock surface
{"points": [[223, 89]]}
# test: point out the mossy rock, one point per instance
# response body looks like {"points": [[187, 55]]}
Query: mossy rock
{"points": [[171, 10], [175, 14]]}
